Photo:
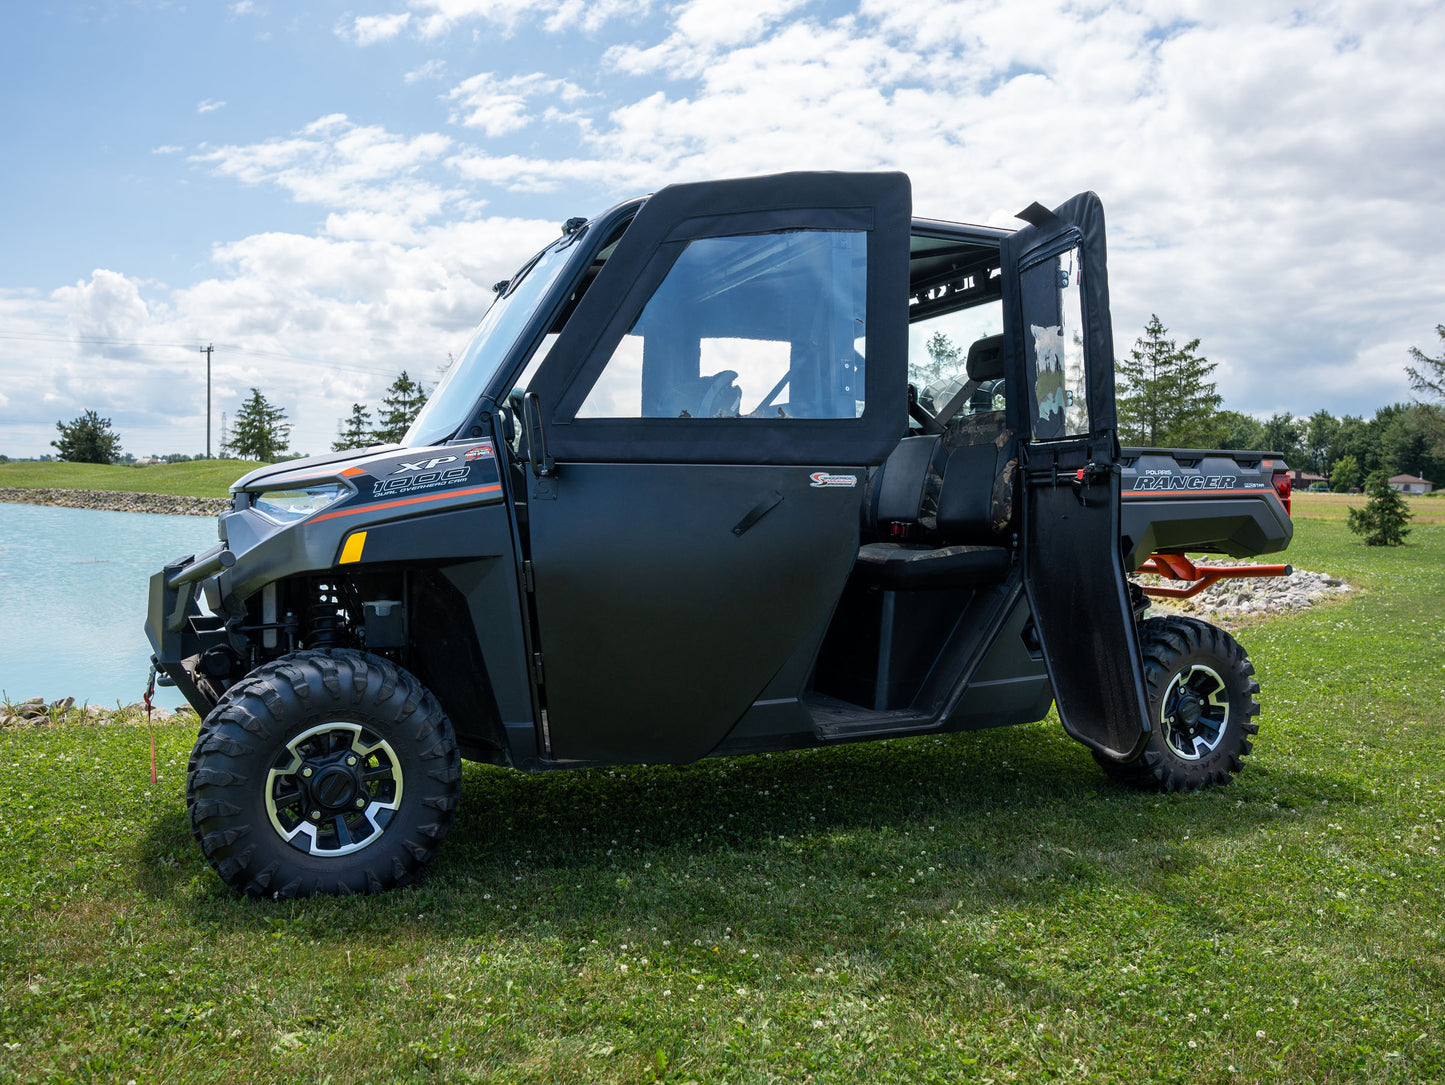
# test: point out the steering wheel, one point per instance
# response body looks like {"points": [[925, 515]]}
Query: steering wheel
{"points": [[722, 398]]}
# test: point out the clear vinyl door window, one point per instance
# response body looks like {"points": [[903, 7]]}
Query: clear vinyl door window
{"points": [[746, 327], [1054, 346]]}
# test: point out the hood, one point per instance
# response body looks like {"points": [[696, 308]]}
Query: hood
{"points": [[309, 467]]}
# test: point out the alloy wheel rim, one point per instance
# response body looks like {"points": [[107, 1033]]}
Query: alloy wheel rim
{"points": [[333, 789], [1195, 712]]}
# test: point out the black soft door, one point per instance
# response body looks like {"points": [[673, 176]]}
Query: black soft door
{"points": [[711, 408], [1061, 374]]}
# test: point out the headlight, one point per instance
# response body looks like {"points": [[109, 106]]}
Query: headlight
{"points": [[299, 502]]}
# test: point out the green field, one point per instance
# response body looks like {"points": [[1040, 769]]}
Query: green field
{"points": [[980, 907], [199, 478], [1427, 509]]}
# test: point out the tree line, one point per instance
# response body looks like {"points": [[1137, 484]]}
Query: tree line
{"points": [[1167, 397], [1165, 393], [259, 430]]}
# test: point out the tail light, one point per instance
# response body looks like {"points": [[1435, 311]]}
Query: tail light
{"points": [[1282, 487]]}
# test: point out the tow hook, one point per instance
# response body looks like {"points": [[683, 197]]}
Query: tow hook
{"points": [[160, 677]]}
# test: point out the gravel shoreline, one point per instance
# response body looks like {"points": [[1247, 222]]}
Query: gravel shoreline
{"points": [[116, 501]]}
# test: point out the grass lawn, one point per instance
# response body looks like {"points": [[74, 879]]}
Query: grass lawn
{"points": [[198, 478], [980, 907]]}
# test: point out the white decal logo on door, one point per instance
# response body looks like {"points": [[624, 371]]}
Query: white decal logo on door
{"points": [[823, 478]]}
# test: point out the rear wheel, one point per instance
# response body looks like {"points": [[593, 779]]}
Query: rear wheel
{"points": [[328, 771], [1201, 690]]}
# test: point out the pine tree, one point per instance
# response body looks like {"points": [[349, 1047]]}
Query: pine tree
{"points": [[1166, 396], [259, 431], [944, 360], [1142, 383], [87, 439], [354, 431], [399, 407], [1384, 518], [1429, 379]]}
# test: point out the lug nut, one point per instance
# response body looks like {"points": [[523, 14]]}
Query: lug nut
{"points": [[316, 815], [306, 771], [360, 803], [351, 760]]}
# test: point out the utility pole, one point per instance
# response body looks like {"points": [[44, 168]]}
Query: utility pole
{"points": [[206, 350]]}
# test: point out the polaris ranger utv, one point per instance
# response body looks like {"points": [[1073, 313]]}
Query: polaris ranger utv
{"points": [[678, 499]]}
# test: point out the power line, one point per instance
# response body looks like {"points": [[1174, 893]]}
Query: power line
{"points": [[230, 348]]}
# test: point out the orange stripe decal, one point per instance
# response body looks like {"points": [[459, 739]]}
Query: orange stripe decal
{"points": [[493, 489], [352, 472], [1263, 491]]}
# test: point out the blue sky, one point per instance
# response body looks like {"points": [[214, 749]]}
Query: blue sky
{"points": [[325, 191]]}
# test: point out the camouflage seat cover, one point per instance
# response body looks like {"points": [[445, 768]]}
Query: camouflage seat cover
{"points": [[970, 431]]}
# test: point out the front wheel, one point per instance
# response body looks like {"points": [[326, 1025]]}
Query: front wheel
{"points": [[1201, 690], [327, 771]]}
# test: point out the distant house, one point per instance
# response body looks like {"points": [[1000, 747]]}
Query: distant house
{"points": [[1302, 480], [1409, 484]]}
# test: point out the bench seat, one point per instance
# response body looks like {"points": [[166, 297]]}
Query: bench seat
{"points": [[899, 567]]}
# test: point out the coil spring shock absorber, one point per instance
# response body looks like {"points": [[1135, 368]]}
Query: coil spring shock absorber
{"points": [[325, 617]]}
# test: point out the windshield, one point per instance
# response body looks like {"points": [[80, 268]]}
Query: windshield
{"points": [[451, 404]]}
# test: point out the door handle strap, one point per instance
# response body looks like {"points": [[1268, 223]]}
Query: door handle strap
{"points": [[761, 509]]}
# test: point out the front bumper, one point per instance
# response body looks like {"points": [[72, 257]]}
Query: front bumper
{"points": [[179, 631]]}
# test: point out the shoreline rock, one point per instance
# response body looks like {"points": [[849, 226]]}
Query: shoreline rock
{"points": [[37, 712], [115, 501]]}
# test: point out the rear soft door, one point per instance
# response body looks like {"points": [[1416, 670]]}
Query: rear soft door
{"points": [[1060, 358]]}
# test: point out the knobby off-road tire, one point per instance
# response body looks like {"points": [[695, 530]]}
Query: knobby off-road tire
{"points": [[328, 771], [1201, 691]]}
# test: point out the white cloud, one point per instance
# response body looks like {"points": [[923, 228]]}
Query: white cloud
{"points": [[1266, 173], [109, 306], [436, 18], [168, 148], [209, 105], [500, 106], [392, 280], [432, 69], [245, 7], [701, 29], [591, 15], [345, 166], [1271, 179], [316, 322], [371, 29]]}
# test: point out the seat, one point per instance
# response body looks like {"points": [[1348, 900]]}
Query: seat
{"points": [[953, 489], [912, 497], [895, 492], [899, 567]]}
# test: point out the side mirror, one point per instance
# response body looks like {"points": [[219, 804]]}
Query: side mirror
{"points": [[543, 466]]}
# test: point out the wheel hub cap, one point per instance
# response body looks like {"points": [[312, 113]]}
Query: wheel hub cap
{"points": [[333, 788]]}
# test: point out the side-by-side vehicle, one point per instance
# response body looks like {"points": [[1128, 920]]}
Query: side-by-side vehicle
{"points": [[679, 499]]}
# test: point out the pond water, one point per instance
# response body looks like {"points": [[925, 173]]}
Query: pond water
{"points": [[73, 588]]}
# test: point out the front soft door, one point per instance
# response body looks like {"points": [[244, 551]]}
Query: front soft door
{"points": [[1061, 359], [711, 409]]}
